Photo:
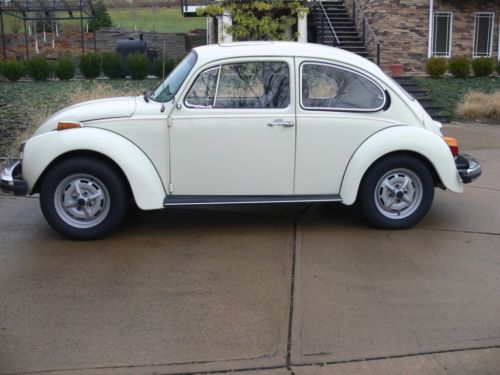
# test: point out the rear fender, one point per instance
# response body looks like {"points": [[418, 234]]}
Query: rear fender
{"points": [[401, 138]]}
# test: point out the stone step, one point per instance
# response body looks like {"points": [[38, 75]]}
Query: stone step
{"points": [[343, 29], [335, 14], [441, 118], [347, 43], [410, 86], [344, 44], [414, 89]]}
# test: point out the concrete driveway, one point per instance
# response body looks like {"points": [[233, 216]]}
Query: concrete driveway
{"points": [[295, 289]]}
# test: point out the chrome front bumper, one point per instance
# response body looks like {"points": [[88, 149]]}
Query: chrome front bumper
{"points": [[11, 180], [468, 168]]}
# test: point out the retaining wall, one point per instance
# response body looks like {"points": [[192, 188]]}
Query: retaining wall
{"points": [[176, 44]]}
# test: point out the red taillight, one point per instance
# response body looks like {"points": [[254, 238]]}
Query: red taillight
{"points": [[452, 144]]}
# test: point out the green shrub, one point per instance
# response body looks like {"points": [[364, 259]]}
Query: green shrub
{"points": [[13, 70], [459, 67], [65, 68], [158, 66], [498, 67], [483, 66], [112, 65], [436, 66], [2, 65], [39, 68], [90, 65], [138, 65], [102, 17]]}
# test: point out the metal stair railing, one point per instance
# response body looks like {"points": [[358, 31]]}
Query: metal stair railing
{"points": [[332, 29], [366, 25]]}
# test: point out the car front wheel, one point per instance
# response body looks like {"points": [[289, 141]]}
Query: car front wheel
{"points": [[396, 192], [83, 198]]}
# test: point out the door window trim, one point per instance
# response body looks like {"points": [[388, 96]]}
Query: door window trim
{"points": [[186, 99], [219, 66], [336, 109]]}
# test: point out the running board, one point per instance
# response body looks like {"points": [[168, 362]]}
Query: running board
{"points": [[195, 200]]}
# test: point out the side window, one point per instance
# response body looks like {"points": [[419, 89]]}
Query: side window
{"points": [[254, 85], [202, 92], [330, 87]]}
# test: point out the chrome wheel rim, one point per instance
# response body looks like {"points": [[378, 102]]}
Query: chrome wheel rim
{"points": [[82, 201], [398, 194]]}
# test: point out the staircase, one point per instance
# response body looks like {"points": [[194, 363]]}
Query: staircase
{"points": [[334, 15], [419, 93], [345, 29]]}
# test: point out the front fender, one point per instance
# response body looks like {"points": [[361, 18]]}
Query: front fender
{"points": [[40, 151], [400, 139]]}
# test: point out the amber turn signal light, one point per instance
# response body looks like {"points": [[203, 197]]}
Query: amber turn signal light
{"points": [[65, 125], [452, 144]]}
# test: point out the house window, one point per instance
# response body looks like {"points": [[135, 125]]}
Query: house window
{"points": [[441, 45], [483, 34]]}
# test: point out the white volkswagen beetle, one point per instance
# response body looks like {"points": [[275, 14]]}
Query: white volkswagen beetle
{"points": [[255, 122]]}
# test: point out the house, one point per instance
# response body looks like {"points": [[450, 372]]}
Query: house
{"points": [[410, 31], [407, 32]]}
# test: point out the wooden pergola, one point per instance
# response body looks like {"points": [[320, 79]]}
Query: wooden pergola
{"points": [[52, 10]]}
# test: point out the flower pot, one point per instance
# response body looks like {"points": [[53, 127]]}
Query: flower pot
{"points": [[396, 70]]}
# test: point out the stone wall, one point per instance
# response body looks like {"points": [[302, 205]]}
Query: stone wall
{"points": [[176, 44], [402, 27], [65, 42]]}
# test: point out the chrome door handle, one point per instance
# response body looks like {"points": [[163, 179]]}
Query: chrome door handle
{"points": [[286, 124]]}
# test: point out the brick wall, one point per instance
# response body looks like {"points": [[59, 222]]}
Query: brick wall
{"points": [[402, 27], [176, 44]]}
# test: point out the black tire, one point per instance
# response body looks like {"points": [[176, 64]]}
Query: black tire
{"points": [[83, 198], [396, 192]]}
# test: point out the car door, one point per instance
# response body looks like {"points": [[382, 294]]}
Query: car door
{"points": [[338, 109], [233, 130]]}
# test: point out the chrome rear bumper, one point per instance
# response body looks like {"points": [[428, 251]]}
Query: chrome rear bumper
{"points": [[468, 168], [11, 180]]}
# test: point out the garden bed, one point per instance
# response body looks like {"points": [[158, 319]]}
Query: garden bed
{"points": [[449, 92], [23, 104]]}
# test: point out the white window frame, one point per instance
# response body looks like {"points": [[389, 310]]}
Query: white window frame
{"points": [[490, 42], [449, 31]]}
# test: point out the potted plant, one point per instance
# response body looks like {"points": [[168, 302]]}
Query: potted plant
{"points": [[396, 70]]}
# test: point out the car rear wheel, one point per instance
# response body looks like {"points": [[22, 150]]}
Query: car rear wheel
{"points": [[397, 192], [83, 198]]}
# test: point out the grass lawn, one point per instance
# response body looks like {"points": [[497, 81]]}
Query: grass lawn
{"points": [[169, 20], [448, 92], [24, 103], [156, 19]]}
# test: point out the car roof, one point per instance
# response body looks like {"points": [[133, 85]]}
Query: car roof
{"points": [[215, 52]]}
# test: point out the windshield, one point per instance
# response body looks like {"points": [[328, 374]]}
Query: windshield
{"points": [[166, 91]]}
